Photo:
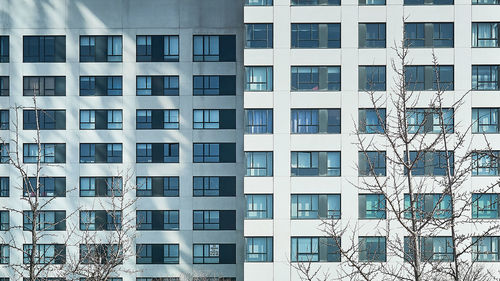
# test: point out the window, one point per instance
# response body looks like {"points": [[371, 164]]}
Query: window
{"points": [[371, 163], [46, 220], [101, 48], [157, 86], [259, 35], [258, 2], [4, 49], [113, 121], [485, 77], [214, 85], [45, 253], [44, 86], [485, 249], [315, 35], [157, 220], [315, 249], [4, 221], [372, 249], [259, 164], [214, 119], [371, 2], [214, 152], [258, 121], [371, 120], [371, 35], [4, 255], [429, 163], [100, 86], [428, 2], [157, 253], [157, 48], [214, 278], [47, 119], [485, 120], [205, 119], [157, 279], [432, 249], [110, 254], [315, 206], [214, 48], [371, 78], [100, 220], [429, 35], [484, 2], [157, 186], [214, 220], [371, 206], [429, 78], [101, 152], [47, 187], [484, 34], [315, 78], [259, 249], [422, 120], [4, 187], [157, 119], [49, 153], [205, 220], [214, 186], [157, 153], [485, 206], [484, 163], [437, 206], [308, 163], [314, 121], [4, 86], [4, 153], [101, 186], [259, 206], [44, 48], [315, 2], [258, 78], [4, 119], [214, 253]]}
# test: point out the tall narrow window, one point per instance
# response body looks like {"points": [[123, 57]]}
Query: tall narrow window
{"points": [[4, 86], [4, 49]]}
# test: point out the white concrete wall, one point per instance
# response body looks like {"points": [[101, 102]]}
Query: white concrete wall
{"points": [[129, 18], [349, 14]]}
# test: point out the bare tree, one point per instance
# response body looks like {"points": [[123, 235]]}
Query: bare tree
{"points": [[428, 231], [107, 234], [40, 255]]}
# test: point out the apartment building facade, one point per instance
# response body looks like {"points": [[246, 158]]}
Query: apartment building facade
{"points": [[140, 93], [234, 121], [309, 65]]}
